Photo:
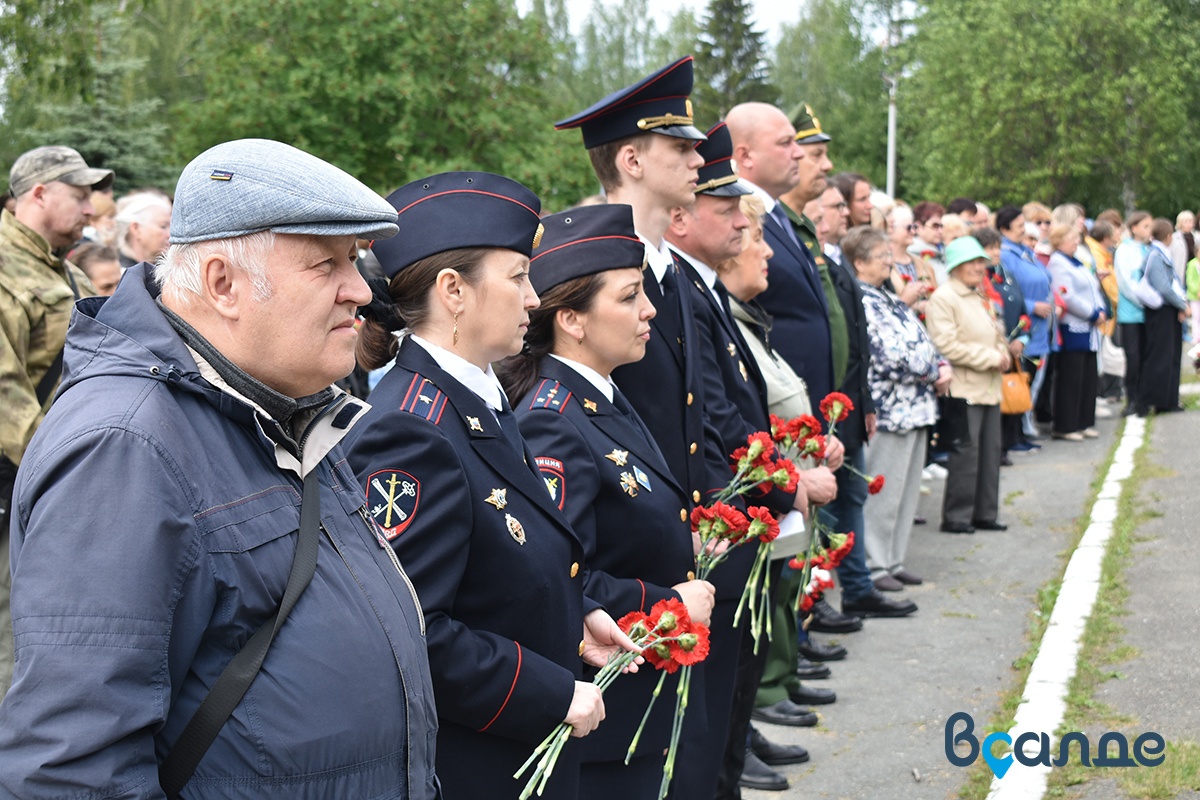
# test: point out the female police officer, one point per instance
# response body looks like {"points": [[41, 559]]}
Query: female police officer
{"points": [[601, 465], [498, 570]]}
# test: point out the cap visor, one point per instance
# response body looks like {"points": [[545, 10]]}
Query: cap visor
{"points": [[98, 179], [735, 189], [815, 138], [681, 132]]}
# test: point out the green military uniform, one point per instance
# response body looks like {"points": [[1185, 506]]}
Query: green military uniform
{"points": [[839, 334], [37, 292]]}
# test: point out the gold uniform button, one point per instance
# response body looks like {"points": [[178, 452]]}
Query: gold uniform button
{"points": [[574, 569], [692, 448], [691, 575], [581, 647], [683, 515], [690, 398], [696, 497]]}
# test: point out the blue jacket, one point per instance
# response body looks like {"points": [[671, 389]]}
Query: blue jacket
{"points": [[1128, 262], [496, 565], [1034, 281], [154, 534], [614, 486]]}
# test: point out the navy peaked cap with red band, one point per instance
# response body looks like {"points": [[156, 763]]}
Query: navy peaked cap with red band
{"points": [[718, 176], [657, 103], [454, 210], [584, 241]]}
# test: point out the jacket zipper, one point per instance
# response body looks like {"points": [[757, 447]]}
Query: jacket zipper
{"points": [[396, 562]]}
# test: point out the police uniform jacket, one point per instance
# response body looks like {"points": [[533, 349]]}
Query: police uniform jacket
{"points": [[496, 565], [666, 391], [156, 531]]}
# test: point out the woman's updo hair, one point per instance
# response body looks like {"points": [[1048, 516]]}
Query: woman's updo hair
{"points": [[403, 302], [519, 373]]}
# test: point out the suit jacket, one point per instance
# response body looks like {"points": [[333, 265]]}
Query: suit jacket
{"points": [[796, 302], [498, 570], [615, 488], [853, 430]]}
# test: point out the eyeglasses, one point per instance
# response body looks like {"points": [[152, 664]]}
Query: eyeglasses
{"points": [[913, 227], [937, 226], [1045, 222]]}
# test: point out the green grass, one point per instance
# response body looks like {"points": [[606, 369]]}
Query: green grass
{"points": [[979, 780]]}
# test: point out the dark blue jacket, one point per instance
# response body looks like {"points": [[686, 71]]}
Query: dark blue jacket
{"points": [[615, 488], [496, 565], [154, 534]]}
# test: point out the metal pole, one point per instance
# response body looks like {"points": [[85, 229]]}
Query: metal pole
{"points": [[891, 138]]}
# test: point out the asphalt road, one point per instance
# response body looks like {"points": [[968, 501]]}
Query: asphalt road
{"points": [[903, 678]]}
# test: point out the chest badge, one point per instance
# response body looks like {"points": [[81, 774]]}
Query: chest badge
{"points": [[498, 498], [514, 528], [642, 478], [742, 368], [732, 349], [473, 424], [618, 457], [590, 405], [629, 484]]}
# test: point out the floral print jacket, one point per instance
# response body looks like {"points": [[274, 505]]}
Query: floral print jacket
{"points": [[904, 363]]}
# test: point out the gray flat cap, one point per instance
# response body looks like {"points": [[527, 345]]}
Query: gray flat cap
{"points": [[251, 185], [55, 163]]}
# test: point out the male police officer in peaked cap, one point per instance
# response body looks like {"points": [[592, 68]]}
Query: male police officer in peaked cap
{"points": [[201, 606]]}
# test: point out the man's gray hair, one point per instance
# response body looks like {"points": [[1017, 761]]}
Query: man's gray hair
{"points": [[178, 269]]}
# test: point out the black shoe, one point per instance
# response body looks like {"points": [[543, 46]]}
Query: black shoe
{"points": [[957, 527], [757, 775], [815, 651], [785, 712], [1005, 461], [907, 578], [826, 620], [804, 696], [886, 583], [989, 525], [774, 754], [809, 671], [876, 605]]}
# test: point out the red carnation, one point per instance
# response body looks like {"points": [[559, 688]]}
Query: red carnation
{"points": [[836, 406], [1024, 321], [806, 603], [634, 625], [692, 647], [814, 447], [659, 656], [785, 476], [875, 485], [763, 524], [669, 615]]}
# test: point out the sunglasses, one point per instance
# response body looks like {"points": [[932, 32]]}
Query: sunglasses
{"points": [[913, 227]]}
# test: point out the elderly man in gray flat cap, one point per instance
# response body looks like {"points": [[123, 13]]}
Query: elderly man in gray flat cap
{"points": [[202, 606]]}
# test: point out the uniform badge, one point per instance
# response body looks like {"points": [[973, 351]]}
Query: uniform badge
{"points": [[590, 405], [392, 500], [642, 478], [629, 484], [514, 528], [742, 367], [553, 477], [473, 424], [425, 399], [732, 349], [498, 498], [618, 457]]}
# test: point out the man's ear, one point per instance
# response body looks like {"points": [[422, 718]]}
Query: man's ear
{"points": [[680, 219], [223, 288], [629, 162]]}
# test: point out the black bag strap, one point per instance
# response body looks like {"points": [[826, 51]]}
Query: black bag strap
{"points": [[227, 692], [50, 379]]}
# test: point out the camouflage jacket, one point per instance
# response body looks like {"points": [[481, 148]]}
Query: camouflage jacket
{"points": [[36, 298]]}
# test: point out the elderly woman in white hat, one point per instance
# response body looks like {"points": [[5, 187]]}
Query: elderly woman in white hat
{"points": [[962, 324]]}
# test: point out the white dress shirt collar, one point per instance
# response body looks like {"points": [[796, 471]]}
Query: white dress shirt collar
{"points": [[706, 273], [484, 384], [602, 384], [659, 258]]}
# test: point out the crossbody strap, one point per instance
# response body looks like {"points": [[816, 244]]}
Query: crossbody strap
{"points": [[227, 692]]}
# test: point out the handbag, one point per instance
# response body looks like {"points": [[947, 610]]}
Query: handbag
{"points": [[1015, 397]]}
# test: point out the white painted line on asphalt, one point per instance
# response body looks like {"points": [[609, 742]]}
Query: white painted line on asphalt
{"points": [[1044, 702]]}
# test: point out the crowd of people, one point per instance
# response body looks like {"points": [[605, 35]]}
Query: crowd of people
{"points": [[324, 494]]}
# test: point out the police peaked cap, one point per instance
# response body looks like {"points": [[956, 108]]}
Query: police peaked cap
{"points": [[718, 176], [584, 241], [453, 210], [657, 103]]}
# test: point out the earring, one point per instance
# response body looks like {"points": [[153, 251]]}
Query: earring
{"points": [[456, 328], [579, 340]]}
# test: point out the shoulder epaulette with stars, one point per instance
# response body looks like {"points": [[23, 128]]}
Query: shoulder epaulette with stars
{"points": [[551, 395], [424, 399]]}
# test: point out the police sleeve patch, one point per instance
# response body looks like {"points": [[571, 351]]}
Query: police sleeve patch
{"points": [[552, 475], [392, 500]]}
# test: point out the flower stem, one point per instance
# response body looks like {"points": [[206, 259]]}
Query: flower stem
{"points": [[638, 733]]}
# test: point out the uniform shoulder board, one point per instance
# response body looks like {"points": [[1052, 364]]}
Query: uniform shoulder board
{"points": [[424, 399], [550, 395]]}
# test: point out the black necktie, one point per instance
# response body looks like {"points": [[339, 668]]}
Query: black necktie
{"points": [[622, 404], [512, 432]]}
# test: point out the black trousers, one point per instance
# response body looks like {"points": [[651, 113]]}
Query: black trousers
{"points": [[1043, 404], [1133, 342], [1161, 359], [1074, 390]]}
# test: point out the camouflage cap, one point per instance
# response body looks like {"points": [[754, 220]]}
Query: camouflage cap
{"points": [[55, 163]]}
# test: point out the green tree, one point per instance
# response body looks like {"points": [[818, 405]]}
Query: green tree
{"points": [[826, 60], [731, 60], [1083, 100]]}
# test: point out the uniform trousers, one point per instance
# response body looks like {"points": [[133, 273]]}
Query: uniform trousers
{"points": [[605, 780], [899, 456], [779, 675], [973, 473], [1074, 390]]}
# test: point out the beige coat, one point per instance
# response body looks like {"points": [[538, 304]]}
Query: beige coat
{"points": [[962, 324]]}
